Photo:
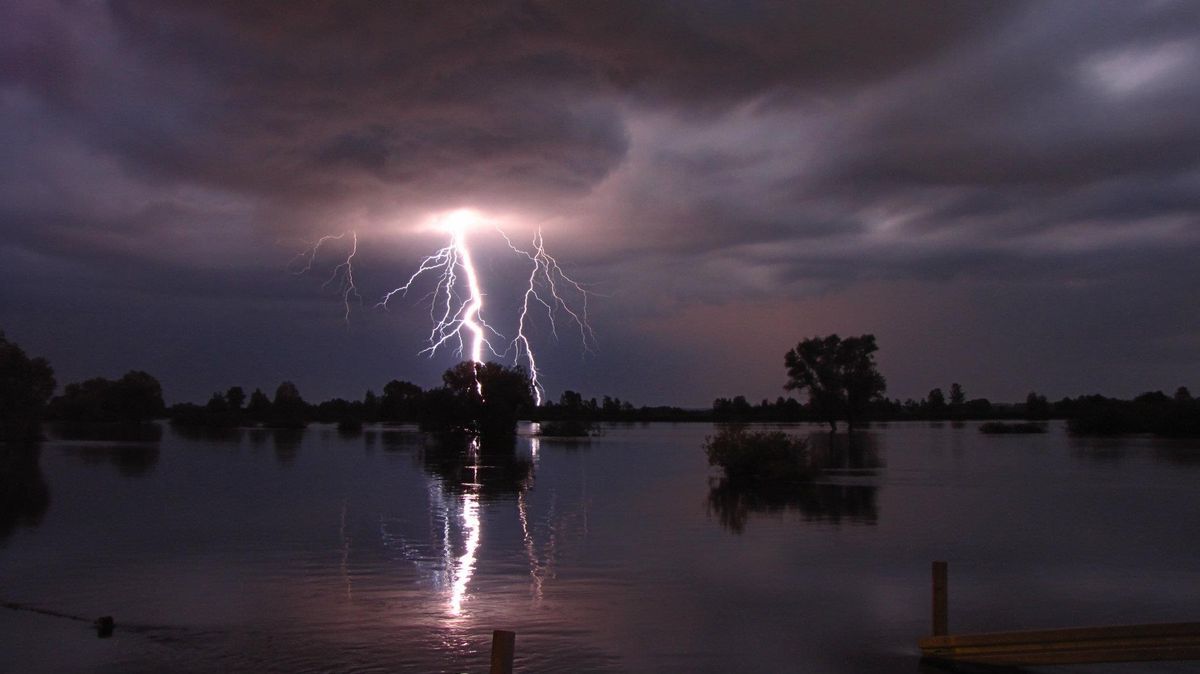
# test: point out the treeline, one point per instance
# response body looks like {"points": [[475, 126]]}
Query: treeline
{"points": [[27, 385], [400, 402], [101, 406], [457, 405], [937, 406], [572, 406], [1152, 412]]}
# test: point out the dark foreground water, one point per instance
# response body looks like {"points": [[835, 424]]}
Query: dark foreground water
{"points": [[385, 552]]}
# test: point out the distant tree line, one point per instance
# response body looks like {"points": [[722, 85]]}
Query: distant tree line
{"points": [[843, 384], [838, 376], [1152, 412], [934, 407], [476, 398]]}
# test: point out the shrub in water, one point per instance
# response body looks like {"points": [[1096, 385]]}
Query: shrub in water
{"points": [[758, 456], [569, 428], [1001, 428]]}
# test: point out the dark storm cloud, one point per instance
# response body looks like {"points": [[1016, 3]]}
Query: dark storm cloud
{"points": [[341, 102], [679, 153], [1091, 96]]}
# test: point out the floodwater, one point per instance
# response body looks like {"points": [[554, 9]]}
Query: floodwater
{"points": [[388, 552]]}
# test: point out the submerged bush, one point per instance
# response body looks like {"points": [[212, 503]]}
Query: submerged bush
{"points": [[759, 456], [569, 428], [1001, 428]]}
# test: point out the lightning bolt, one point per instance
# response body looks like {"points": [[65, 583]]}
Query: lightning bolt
{"points": [[545, 279], [457, 300], [343, 273], [460, 303]]}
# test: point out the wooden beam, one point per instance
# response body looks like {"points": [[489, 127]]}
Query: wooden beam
{"points": [[1121, 643], [941, 608], [503, 648]]}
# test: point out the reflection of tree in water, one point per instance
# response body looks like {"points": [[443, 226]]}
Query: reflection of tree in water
{"points": [[223, 434], [24, 495], [396, 439], [851, 455], [287, 443], [1178, 452], [1099, 449], [130, 460], [108, 431], [488, 467], [817, 502], [846, 454], [1115, 450]]}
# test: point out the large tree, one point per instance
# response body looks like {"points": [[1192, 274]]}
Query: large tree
{"points": [[839, 375], [134, 398], [400, 400], [288, 409], [482, 398], [25, 386]]}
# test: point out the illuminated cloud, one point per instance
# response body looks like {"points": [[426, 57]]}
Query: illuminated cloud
{"points": [[708, 162]]}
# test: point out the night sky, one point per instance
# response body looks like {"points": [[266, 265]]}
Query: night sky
{"points": [[1006, 194]]}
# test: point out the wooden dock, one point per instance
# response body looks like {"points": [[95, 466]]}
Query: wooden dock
{"points": [[1079, 645]]}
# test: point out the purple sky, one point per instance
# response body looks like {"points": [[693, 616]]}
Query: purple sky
{"points": [[1005, 194]]}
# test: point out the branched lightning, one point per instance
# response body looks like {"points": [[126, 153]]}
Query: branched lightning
{"points": [[456, 301], [343, 273], [545, 279], [459, 309]]}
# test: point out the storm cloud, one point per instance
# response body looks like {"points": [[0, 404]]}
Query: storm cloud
{"points": [[728, 177]]}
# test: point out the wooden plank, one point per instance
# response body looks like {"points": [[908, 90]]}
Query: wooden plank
{"points": [[1066, 634], [1121, 643], [503, 648], [941, 609], [1079, 657]]}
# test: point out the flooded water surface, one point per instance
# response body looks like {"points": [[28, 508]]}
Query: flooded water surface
{"points": [[387, 551]]}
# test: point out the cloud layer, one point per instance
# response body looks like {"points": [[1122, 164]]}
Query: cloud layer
{"points": [[955, 160]]}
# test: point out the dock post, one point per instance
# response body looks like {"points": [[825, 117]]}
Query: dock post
{"points": [[940, 602], [503, 645]]}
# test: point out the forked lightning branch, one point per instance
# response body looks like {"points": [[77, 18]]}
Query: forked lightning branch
{"points": [[456, 304]]}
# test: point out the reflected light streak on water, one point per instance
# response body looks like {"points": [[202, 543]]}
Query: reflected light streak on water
{"points": [[535, 442], [463, 567], [345, 566], [530, 552]]}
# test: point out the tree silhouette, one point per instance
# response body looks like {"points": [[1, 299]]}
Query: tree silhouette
{"points": [[134, 398], [399, 400], [957, 396], [370, 406], [480, 398], [839, 375], [571, 401], [235, 397], [936, 401], [139, 397], [288, 410], [217, 404], [25, 386], [259, 407], [1036, 406]]}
